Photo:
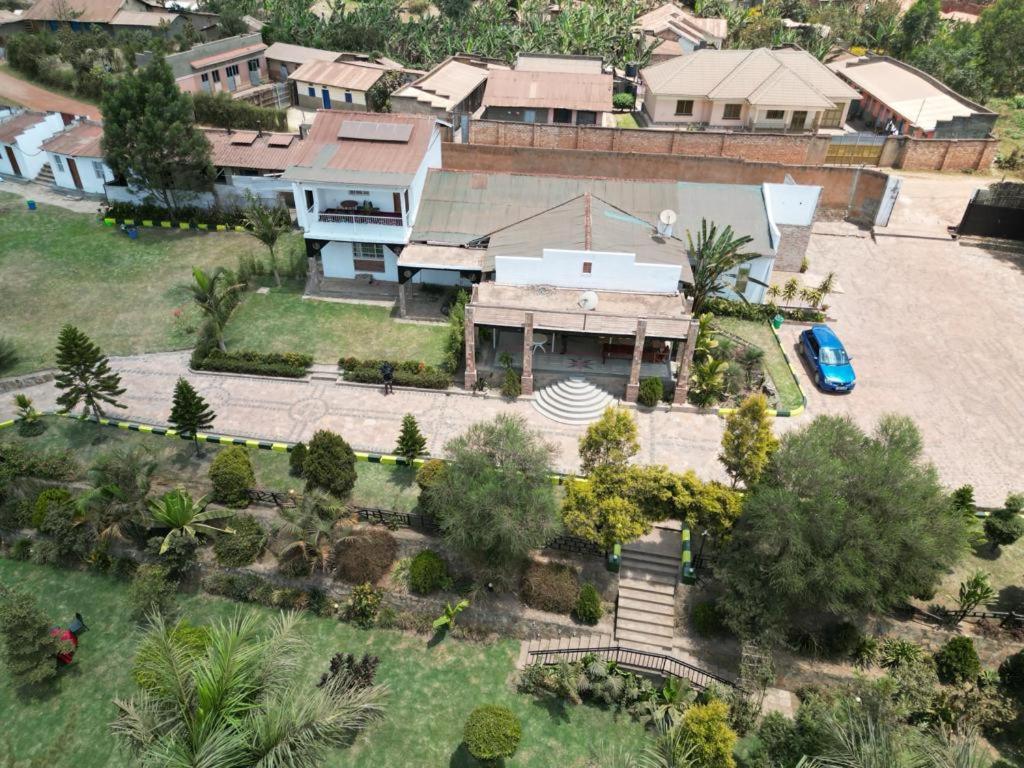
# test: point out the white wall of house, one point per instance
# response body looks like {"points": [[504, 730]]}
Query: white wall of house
{"points": [[337, 262], [339, 97], [608, 271], [440, 277], [92, 172], [27, 147], [432, 159], [268, 188]]}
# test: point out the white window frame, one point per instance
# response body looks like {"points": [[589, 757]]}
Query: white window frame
{"points": [[58, 161], [98, 169]]}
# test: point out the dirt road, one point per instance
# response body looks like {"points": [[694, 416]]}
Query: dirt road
{"points": [[34, 97]]}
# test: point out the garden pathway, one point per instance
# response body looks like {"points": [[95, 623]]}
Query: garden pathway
{"points": [[292, 410]]}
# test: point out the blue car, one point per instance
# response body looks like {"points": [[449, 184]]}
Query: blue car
{"points": [[828, 359]]}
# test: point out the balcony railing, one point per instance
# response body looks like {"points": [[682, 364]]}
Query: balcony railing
{"points": [[381, 218]]}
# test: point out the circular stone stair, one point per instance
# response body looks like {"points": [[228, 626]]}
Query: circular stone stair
{"points": [[572, 401]]}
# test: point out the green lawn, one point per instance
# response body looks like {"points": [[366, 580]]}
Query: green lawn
{"points": [[282, 321], [60, 267], [625, 120], [1004, 566], [1009, 128], [432, 689], [378, 485], [760, 335]]}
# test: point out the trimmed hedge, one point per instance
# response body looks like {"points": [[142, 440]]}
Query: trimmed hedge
{"points": [[427, 573], [139, 212], [550, 587], [957, 661], [588, 605], [222, 111], [232, 476], [492, 733], [408, 373], [365, 556], [290, 365], [765, 312]]}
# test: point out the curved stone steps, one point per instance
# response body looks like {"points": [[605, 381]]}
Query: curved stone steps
{"points": [[574, 401]]}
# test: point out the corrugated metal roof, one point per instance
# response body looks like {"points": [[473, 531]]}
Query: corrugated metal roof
{"points": [[262, 154], [299, 54], [338, 74], [326, 157], [559, 90], [89, 11], [80, 140], [446, 85], [143, 18], [670, 17], [459, 207], [13, 127], [738, 74], [234, 53], [554, 62]]}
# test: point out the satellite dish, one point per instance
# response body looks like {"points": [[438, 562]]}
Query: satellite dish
{"points": [[665, 221], [587, 301]]}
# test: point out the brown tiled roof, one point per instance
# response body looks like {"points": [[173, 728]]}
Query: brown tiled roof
{"points": [[12, 128], [80, 140], [234, 53], [355, 77], [549, 89], [260, 155], [142, 18], [89, 11], [326, 157]]}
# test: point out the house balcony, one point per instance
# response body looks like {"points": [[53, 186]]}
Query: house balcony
{"points": [[370, 226]]}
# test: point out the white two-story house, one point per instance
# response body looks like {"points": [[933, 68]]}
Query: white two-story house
{"points": [[358, 183]]}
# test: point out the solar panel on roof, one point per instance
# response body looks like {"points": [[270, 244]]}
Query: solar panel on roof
{"points": [[364, 130], [280, 140], [243, 137]]}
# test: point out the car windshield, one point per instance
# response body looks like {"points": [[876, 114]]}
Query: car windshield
{"points": [[831, 356]]}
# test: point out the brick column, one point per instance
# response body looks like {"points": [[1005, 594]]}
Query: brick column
{"points": [[528, 355], [470, 329], [685, 362], [633, 387]]}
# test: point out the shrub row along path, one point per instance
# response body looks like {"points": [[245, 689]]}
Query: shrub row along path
{"points": [[369, 420], [32, 96]]}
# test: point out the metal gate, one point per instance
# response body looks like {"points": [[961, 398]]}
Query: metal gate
{"points": [[997, 211], [855, 149]]}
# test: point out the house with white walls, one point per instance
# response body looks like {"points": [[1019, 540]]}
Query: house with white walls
{"points": [[357, 182], [76, 158], [21, 138]]}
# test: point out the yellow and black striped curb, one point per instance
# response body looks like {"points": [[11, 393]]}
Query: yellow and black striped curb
{"points": [[255, 442], [783, 413], [174, 225], [687, 574]]}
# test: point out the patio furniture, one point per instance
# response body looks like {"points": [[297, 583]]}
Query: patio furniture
{"points": [[349, 205], [539, 342]]}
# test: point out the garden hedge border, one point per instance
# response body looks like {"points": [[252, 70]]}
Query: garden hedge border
{"points": [[782, 413], [109, 222]]}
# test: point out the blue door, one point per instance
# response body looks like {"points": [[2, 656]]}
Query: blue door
{"points": [[327, 97]]}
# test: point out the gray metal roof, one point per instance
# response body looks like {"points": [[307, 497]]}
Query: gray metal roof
{"points": [[459, 207]]}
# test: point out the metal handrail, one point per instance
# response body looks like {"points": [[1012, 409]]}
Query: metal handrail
{"points": [[649, 661], [360, 218]]}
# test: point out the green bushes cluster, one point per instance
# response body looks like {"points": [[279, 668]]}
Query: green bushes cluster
{"points": [[290, 365], [492, 733], [651, 392], [330, 464], [550, 587], [140, 212], [252, 588], [707, 620], [588, 608], [222, 111], [179, 558], [408, 373], [957, 661], [428, 573], [623, 100], [47, 500], [365, 556], [296, 458], [17, 460], [455, 341], [763, 312], [232, 476], [151, 591], [363, 606], [242, 547]]}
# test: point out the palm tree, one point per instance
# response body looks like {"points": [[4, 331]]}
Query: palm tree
{"points": [[666, 709], [266, 224], [773, 293], [214, 298], [790, 291], [185, 516], [308, 531], [827, 285], [237, 698], [707, 383], [120, 482], [714, 254], [706, 341]]}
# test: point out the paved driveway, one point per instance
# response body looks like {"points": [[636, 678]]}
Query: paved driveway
{"points": [[935, 332]]}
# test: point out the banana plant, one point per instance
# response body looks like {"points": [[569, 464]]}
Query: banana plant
{"points": [[446, 621]]}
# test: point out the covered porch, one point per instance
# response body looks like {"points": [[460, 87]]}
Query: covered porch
{"points": [[624, 336], [440, 265]]}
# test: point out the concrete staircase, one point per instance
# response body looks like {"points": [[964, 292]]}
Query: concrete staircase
{"points": [[574, 401], [45, 175], [648, 576]]}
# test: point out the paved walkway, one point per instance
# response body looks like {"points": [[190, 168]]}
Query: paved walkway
{"points": [[44, 193], [293, 410], [32, 96]]}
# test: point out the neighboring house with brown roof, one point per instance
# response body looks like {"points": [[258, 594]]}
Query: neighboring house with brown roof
{"points": [[11, 23], [571, 90], [917, 103], [357, 182], [76, 158], [233, 64], [21, 138], [335, 84], [284, 58], [761, 89], [453, 88], [111, 15], [253, 161], [676, 31]]}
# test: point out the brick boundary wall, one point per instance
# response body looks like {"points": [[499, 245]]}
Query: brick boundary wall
{"points": [[790, 149], [847, 192]]}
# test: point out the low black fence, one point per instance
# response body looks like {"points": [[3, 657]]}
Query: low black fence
{"points": [[644, 661], [942, 615], [393, 519], [576, 546], [277, 498]]}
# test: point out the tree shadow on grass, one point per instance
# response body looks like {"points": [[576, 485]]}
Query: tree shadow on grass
{"points": [[556, 708], [985, 551], [63, 683], [1009, 599], [462, 759]]}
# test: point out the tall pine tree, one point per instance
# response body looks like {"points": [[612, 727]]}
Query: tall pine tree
{"points": [[150, 137], [29, 650], [85, 374], [411, 442], [190, 413]]}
